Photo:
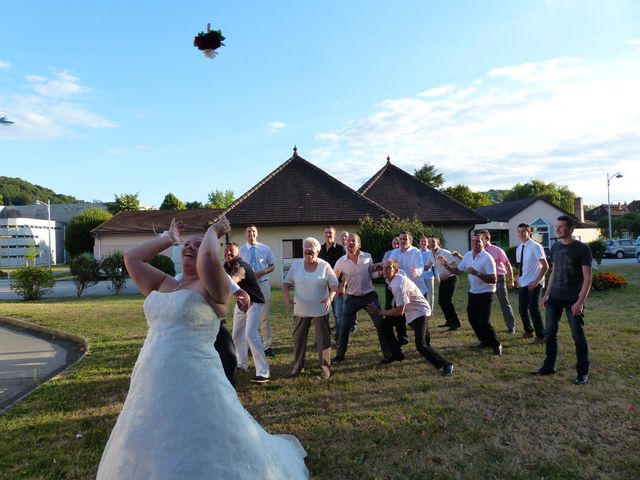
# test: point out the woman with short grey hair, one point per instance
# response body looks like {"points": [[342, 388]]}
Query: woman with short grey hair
{"points": [[315, 285]]}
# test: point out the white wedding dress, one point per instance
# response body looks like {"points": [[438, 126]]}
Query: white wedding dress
{"points": [[182, 418]]}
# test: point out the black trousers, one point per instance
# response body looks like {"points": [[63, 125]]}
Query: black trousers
{"points": [[445, 299], [423, 343], [399, 323], [479, 313], [227, 350], [388, 341]]}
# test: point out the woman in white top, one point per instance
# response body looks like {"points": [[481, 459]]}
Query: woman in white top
{"points": [[315, 286]]}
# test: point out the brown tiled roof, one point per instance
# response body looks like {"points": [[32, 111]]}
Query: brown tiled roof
{"points": [[300, 193], [148, 221], [406, 196]]}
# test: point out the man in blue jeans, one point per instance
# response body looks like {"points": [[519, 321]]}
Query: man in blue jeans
{"points": [[569, 285]]}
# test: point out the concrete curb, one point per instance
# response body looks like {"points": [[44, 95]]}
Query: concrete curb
{"points": [[83, 347]]}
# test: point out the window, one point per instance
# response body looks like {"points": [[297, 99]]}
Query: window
{"points": [[291, 249], [541, 232]]}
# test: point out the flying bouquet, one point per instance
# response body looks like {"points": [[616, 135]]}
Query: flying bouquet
{"points": [[209, 41]]}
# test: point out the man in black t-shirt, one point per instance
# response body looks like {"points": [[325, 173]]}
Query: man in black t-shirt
{"points": [[246, 323], [567, 290], [330, 252]]}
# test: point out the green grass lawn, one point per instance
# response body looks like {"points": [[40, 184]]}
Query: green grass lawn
{"points": [[492, 419]]}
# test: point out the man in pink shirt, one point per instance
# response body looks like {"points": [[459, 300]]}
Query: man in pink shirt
{"points": [[358, 270], [505, 279]]}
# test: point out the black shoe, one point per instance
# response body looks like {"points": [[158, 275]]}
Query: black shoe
{"points": [[453, 328], [538, 340], [497, 350], [543, 371], [269, 352], [403, 341], [444, 325], [581, 379], [337, 360], [447, 370], [259, 379], [511, 330], [393, 358], [527, 335]]}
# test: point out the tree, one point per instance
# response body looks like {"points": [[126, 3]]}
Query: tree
{"points": [[558, 195], [496, 195], [428, 174], [219, 199], [78, 236], [193, 205], [114, 267], [376, 235], [15, 191], [629, 223], [127, 202], [84, 269], [32, 283], [171, 202], [464, 195]]}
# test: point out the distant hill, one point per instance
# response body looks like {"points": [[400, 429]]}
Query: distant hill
{"points": [[15, 191]]}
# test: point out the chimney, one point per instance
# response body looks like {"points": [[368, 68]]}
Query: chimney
{"points": [[578, 205]]}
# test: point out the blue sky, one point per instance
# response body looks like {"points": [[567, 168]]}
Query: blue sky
{"points": [[111, 97]]}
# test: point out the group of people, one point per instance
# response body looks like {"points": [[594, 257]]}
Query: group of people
{"points": [[156, 436]]}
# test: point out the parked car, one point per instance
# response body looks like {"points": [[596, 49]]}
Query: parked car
{"points": [[619, 248], [638, 248]]}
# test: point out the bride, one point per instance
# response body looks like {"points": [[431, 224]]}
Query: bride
{"points": [[182, 418]]}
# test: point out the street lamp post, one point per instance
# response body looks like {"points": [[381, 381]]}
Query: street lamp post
{"points": [[609, 177], [48, 205]]}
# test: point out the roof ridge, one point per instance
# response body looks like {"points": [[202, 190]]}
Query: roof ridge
{"points": [[376, 176]]}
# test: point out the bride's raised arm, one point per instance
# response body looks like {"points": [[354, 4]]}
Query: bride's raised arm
{"points": [[146, 277], [209, 264]]}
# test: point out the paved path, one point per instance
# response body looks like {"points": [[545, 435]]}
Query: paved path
{"points": [[27, 359], [66, 288]]}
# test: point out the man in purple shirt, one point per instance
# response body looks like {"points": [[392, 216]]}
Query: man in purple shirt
{"points": [[505, 279]]}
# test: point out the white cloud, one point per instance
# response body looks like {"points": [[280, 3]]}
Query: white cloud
{"points": [[494, 135], [634, 42], [5, 65], [52, 109], [437, 92], [62, 86], [276, 126], [548, 71]]}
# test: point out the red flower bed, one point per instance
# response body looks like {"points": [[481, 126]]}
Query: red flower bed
{"points": [[608, 281]]}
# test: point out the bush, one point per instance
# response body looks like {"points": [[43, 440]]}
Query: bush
{"points": [[114, 269], [84, 269], [607, 281], [597, 250], [78, 237], [32, 283], [164, 263], [511, 255], [376, 235], [3, 274]]}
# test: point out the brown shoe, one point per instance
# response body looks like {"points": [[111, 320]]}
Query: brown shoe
{"points": [[527, 335]]}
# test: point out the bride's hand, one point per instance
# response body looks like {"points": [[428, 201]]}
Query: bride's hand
{"points": [[175, 230], [221, 227]]}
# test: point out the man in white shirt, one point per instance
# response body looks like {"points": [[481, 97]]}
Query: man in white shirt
{"points": [[398, 322], [448, 282], [262, 261], [428, 273], [413, 308], [358, 270], [481, 270], [532, 263]]}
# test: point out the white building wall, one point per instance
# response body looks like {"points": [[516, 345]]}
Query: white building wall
{"points": [[18, 235]]}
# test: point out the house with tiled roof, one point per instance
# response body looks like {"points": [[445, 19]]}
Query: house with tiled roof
{"points": [[540, 214], [407, 196], [297, 200]]}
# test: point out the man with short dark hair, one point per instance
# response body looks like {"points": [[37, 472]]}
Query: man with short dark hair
{"points": [[448, 281], [532, 263], [330, 252], [262, 261], [505, 279], [358, 270], [569, 285], [481, 270]]}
